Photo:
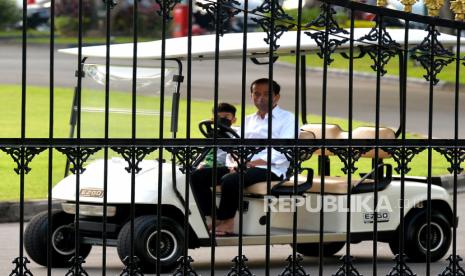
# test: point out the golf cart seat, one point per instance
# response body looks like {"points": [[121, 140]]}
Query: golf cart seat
{"points": [[334, 131], [334, 184]]}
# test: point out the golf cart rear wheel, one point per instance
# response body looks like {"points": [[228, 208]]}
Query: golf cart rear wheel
{"points": [[312, 249], [416, 230], [145, 242], [62, 242]]}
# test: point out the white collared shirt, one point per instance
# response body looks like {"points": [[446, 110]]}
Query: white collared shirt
{"points": [[282, 128]]}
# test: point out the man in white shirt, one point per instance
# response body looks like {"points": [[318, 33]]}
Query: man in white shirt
{"points": [[256, 127]]}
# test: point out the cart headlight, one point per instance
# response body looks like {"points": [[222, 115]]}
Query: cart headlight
{"points": [[88, 210]]}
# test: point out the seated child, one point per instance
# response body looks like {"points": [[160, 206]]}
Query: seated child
{"points": [[201, 178]]}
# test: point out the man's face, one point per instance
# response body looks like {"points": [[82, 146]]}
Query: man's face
{"points": [[260, 97]]}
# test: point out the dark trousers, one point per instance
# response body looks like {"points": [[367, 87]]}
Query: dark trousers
{"points": [[229, 203], [201, 181]]}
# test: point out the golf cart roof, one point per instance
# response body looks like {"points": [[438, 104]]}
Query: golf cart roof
{"points": [[203, 47]]}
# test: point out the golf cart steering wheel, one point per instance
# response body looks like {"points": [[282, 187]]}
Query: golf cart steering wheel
{"points": [[206, 127]]}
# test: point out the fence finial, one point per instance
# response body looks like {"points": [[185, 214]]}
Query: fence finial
{"points": [[458, 8], [408, 4], [434, 6]]}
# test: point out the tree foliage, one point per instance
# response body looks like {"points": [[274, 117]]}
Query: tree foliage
{"points": [[9, 13]]}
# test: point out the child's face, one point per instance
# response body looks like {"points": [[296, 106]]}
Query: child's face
{"points": [[227, 115]]}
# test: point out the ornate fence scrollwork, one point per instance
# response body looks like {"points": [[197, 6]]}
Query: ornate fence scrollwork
{"points": [[139, 152], [78, 156], [296, 156], [402, 157], [451, 155], [185, 267], [347, 267], [169, 7], [240, 268], [453, 262], [326, 20], [227, 10], [21, 264], [294, 267], [431, 46], [343, 155], [76, 268], [131, 267], [242, 154], [19, 153], [389, 48], [401, 268], [182, 158], [266, 9]]}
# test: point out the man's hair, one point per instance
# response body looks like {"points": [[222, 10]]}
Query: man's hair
{"points": [[274, 86], [225, 107]]}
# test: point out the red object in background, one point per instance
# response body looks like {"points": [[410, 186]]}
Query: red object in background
{"points": [[181, 23], [30, 2]]}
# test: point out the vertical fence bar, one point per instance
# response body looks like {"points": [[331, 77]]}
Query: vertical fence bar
{"points": [[106, 133], [218, 28], [23, 135], [164, 15], [188, 134], [50, 135], [430, 140], [296, 157], [456, 151], [131, 262], [242, 160], [269, 134], [376, 161], [244, 71], [78, 136], [303, 87], [349, 175], [403, 119], [326, 58]]}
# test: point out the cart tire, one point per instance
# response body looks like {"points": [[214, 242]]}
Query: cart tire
{"points": [[145, 227], [416, 233], [394, 244], [36, 236], [312, 249]]}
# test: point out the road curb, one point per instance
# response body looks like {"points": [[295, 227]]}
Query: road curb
{"points": [[9, 210]]}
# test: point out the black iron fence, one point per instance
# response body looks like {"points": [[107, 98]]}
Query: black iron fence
{"points": [[422, 232]]}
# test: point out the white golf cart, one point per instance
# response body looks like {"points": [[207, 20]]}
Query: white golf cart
{"points": [[254, 226]]}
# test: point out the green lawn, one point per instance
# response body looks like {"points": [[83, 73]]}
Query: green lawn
{"points": [[37, 126], [392, 68]]}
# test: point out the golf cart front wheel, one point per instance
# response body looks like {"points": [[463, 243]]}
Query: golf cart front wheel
{"points": [[312, 249], [62, 242], [416, 236], [145, 242]]}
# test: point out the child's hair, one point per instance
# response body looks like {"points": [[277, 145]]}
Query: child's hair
{"points": [[225, 107]]}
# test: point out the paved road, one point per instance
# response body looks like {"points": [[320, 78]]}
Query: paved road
{"points": [[230, 84], [363, 253]]}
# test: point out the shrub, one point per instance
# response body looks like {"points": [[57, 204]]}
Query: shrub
{"points": [[149, 21], [66, 20], [68, 26], [9, 13]]}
